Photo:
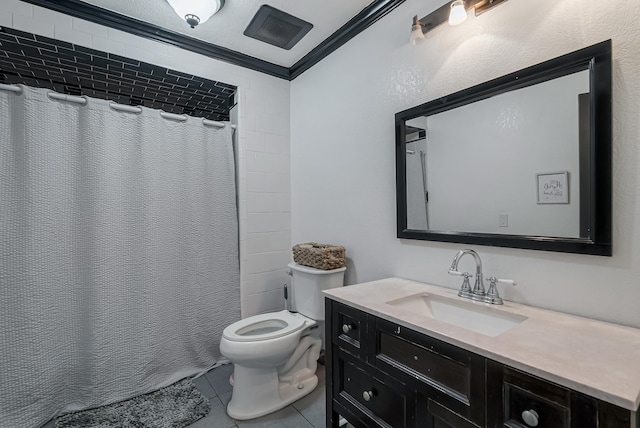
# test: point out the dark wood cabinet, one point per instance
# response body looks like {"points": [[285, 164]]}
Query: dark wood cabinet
{"points": [[552, 406], [445, 373], [381, 374], [348, 330], [548, 404], [380, 399], [437, 416]]}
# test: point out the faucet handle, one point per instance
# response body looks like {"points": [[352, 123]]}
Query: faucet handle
{"points": [[492, 295], [466, 286], [493, 280], [507, 281], [466, 275]]}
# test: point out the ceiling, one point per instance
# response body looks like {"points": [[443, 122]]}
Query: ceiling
{"points": [[226, 27], [335, 23]]}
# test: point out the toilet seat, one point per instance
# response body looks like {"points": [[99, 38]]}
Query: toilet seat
{"points": [[265, 326]]}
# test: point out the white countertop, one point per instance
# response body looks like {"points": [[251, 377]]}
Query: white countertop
{"points": [[593, 357]]}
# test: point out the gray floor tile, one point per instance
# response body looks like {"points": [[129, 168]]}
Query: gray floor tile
{"points": [[219, 378], [204, 386], [284, 418], [217, 417], [312, 406], [225, 398]]}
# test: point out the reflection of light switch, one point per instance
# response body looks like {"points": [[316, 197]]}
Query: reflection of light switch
{"points": [[503, 220]]}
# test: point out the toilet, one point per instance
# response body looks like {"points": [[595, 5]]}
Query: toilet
{"points": [[275, 354]]}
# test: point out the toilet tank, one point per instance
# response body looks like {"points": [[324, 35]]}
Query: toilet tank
{"points": [[307, 284]]}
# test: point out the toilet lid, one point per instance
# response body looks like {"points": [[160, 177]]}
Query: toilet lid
{"points": [[265, 326]]}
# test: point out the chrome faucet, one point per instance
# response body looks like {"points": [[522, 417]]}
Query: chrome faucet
{"points": [[492, 296], [478, 288]]}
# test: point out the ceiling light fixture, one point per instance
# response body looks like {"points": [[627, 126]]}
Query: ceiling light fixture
{"points": [[455, 12], [196, 11]]}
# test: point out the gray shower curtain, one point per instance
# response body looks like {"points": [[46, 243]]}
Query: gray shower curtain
{"points": [[118, 253]]}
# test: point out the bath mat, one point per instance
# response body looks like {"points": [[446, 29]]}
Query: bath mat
{"points": [[175, 406]]}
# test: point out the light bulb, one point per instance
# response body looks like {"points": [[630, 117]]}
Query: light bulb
{"points": [[458, 13], [417, 36]]}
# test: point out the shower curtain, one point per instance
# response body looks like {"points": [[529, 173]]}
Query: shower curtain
{"points": [[119, 264]]}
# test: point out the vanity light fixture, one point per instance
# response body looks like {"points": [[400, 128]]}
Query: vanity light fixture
{"points": [[454, 12], [196, 11], [458, 13], [416, 32]]}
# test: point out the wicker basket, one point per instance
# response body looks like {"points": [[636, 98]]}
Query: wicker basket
{"points": [[319, 256]]}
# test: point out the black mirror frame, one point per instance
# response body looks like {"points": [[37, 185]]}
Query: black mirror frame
{"points": [[597, 59]]}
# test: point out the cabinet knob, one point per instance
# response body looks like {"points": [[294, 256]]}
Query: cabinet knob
{"points": [[530, 417], [367, 395], [346, 328]]}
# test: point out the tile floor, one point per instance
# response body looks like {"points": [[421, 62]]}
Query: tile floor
{"points": [[308, 412]]}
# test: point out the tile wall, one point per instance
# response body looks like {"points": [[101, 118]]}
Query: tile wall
{"points": [[42, 62], [263, 140]]}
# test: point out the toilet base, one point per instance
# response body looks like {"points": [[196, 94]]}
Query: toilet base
{"points": [[253, 392]]}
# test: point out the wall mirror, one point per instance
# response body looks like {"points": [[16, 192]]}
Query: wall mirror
{"points": [[521, 161]]}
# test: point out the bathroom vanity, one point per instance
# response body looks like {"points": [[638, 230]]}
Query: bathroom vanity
{"points": [[404, 354]]}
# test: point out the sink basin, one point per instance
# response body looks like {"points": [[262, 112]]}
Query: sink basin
{"points": [[477, 317]]}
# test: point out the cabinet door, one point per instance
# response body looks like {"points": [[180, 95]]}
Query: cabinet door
{"points": [[449, 375], [434, 415], [372, 396]]}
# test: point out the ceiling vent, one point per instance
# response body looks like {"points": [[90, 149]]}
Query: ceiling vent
{"points": [[277, 28]]}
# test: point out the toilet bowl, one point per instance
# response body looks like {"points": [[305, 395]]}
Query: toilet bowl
{"points": [[275, 361], [275, 354]]}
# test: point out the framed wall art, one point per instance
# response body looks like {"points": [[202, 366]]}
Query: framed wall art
{"points": [[553, 187]]}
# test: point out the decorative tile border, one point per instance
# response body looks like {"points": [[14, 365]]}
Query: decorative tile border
{"points": [[42, 62]]}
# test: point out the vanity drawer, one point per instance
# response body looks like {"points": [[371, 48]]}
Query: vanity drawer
{"points": [[511, 392], [375, 398], [452, 376], [349, 328], [434, 415], [548, 404], [544, 412]]}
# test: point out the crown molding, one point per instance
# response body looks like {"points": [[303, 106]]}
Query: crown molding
{"points": [[98, 15], [363, 20]]}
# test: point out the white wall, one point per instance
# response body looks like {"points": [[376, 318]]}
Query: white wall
{"points": [[342, 146], [263, 137]]}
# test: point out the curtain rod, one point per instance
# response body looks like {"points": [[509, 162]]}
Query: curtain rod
{"points": [[216, 124], [10, 88], [125, 108], [115, 106], [67, 98], [173, 116]]}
